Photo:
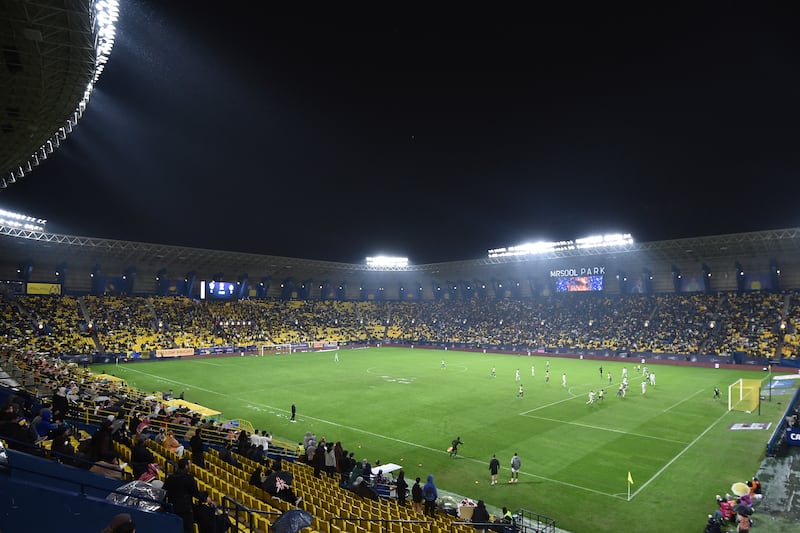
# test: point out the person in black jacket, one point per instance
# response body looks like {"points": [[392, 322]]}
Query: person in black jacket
{"points": [[181, 487], [208, 517], [141, 456], [416, 496], [198, 448], [402, 488], [480, 516]]}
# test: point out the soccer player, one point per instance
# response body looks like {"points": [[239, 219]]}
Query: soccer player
{"points": [[620, 391], [454, 447], [716, 393], [494, 372], [609, 377], [547, 376], [624, 371], [601, 394], [516, 376], [547, 365], [294, 412], [591, 397], [494, 468], [516, 463], [564, 379], [444, 365], [644, 387], [336, 357], [533, 371], [653, 379], [601, 372], [520, 393]]}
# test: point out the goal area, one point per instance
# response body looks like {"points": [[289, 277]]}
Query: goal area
{"points": [[274, 349], [744, 395]]}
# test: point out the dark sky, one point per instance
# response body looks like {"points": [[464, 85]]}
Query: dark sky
{"points": [[432, 137]]}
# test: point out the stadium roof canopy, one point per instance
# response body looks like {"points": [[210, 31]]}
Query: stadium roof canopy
{"points": [[53, 53], [780, 246]]}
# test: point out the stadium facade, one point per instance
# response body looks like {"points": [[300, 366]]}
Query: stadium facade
{"points": [[766, 261]]}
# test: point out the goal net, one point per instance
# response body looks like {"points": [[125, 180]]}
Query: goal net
{"points": [[272, 349], [743, 395]]}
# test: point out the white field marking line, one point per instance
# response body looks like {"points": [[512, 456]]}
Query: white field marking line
{"points": [[663, 468], [207, 363], [365, 432], [684, 400], [605, 429]]}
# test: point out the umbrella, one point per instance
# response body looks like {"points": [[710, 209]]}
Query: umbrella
{"points": [[277, 481], [292, 521], [740, 489], [743, 510]]}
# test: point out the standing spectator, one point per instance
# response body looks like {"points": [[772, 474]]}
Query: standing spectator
{"points": [[430, 494], [494, 468], [60, 403], [416, 496], [198, 448], [330, 460], [516, 463], [402, 488], [102, 444], [181, 487], [318, 459]]}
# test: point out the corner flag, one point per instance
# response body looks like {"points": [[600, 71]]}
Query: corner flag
{"points": [[630, 478]]}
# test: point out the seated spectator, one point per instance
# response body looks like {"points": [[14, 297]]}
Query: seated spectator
{"points": [[172, 444], [43, 423], [226, 454], [62, 447], [110, 467], [755, 489], [208, 517], [141, 456], [362, 488], [150, 474], [725, 510], [118, 523]]}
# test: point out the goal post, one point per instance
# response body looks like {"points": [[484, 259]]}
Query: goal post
{"points": [[744, 395], [273, 349]]}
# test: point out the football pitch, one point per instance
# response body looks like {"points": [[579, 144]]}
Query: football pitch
{"points": [[402, 406]]}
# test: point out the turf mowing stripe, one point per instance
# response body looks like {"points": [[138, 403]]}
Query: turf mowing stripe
{"points": [[605, 429]]}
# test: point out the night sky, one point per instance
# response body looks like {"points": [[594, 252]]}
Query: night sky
{"points": [[431, 137]]}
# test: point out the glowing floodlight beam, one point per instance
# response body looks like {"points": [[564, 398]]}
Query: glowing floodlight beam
{"points": [[536, 248], [20, 221], [386, 261], [597, 241]]}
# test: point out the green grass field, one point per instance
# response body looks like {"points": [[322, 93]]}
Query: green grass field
{"points": [[398, 405]]}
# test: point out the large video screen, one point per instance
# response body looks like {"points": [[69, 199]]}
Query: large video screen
{"points": [[579, 283], [219, 290]]}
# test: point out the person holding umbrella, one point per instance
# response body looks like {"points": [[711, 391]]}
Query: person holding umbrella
{"points": [[279, 485]]}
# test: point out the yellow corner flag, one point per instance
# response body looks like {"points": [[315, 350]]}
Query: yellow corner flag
{"points": [[630, 478]]}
